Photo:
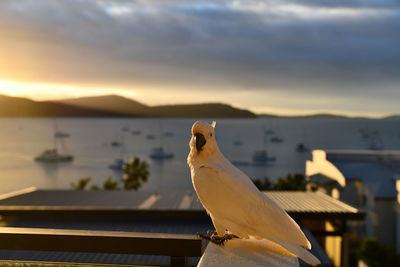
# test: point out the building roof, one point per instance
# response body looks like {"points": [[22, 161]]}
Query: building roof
{"points": [[377, 176], [363, 154], [30, 206], [303, 204], [309, 202], [377, 169]]}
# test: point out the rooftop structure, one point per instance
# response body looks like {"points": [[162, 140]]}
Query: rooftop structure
{"points": [[168, 212], [371, 186], [364, 155], [296, 203]]}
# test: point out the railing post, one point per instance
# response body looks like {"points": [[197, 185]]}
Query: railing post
{"points": [[179, 261]]}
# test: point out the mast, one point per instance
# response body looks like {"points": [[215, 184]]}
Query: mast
{"points": [[54, 134]]}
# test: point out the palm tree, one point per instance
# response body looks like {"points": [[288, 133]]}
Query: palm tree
{"points": [[82, 183], [136, 173], [110, 184]]}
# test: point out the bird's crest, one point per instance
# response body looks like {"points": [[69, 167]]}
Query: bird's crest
{"points": [[213, 124]]}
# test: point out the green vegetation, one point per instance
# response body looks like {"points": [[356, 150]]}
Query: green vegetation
{"points": [[263, 184], [375, 254], [354, 247], [291, 182], [82, 183], [110, 184], [136, 173]]}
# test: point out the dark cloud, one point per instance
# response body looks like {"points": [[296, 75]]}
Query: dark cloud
{"points": [[323, 47]]}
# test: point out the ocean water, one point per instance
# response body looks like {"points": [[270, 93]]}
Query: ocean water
{"points": [[90, 142]]}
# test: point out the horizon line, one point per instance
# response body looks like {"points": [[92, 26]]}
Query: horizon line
{"points": [[258, 114]]}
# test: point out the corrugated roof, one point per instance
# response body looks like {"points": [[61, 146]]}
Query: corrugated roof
{"points": [[293, 202], [377, 176], [309, 202], [78, 198]]}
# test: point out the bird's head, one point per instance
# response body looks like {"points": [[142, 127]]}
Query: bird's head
{"points": [[203, 143]]}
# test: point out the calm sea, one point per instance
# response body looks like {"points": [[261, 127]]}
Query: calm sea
{"points": [[90, 142]]}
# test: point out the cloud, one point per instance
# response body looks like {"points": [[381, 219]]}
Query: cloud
{"points": [[310, 47]]}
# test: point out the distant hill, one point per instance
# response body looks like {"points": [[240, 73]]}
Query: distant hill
{"points": [[392, 117], [23, 107], [113, 103], [131, 107], [324, 116], [320, 115], [214, 110], [112, 106]]}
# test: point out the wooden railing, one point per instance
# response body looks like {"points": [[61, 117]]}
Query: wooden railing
{"points": [[179, 247]]}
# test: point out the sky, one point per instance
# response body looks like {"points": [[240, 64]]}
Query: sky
{"points": [[273, 56]]}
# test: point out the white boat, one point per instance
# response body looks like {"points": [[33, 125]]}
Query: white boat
{"points": [[51, 155], [118, 141], [375, 144], [60, 134], [150, 137], [237, 142], [136, 132], [116, 144], [276, 139], [269, 132], [159, 153], [168, 133], [302, 148], [368, 133], [118, 164], [261, 156]]}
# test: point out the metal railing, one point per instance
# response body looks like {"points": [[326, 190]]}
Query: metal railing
{"points": [[179, 247]]}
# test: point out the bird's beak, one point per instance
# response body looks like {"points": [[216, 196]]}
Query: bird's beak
{"points": [[200, 141]]}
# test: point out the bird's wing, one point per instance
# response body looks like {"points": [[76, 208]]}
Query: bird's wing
{"points": [[243, 204]]}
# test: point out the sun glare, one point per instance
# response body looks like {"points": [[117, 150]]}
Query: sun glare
{"points": [[44, 91]]}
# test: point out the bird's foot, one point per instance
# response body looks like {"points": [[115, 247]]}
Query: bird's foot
{"points": [[216, 239], [211, 232]]}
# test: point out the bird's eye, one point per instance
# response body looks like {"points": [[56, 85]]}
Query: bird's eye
{"points": [[210, 134]]}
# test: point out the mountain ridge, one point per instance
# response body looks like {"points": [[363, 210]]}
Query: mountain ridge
{"points": [[113, 106], [119, 106], [24, 107]]}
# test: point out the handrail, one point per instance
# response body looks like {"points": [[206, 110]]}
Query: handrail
{"points": [[178, 246]]}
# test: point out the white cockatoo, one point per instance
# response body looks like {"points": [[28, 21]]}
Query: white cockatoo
{"points": [[234, 203]]}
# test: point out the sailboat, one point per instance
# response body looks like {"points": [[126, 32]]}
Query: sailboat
{"points": [[301, 147], [376, 142], [238, 142], [262, 156], [275, 138], [119, 163], [159, 152], [52, 155]]}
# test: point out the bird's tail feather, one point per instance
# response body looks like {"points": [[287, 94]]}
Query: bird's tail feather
{"points": [[300, 252]]}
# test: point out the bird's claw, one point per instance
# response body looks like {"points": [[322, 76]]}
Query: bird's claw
{"points": [[211, 232], [216, 239]]}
